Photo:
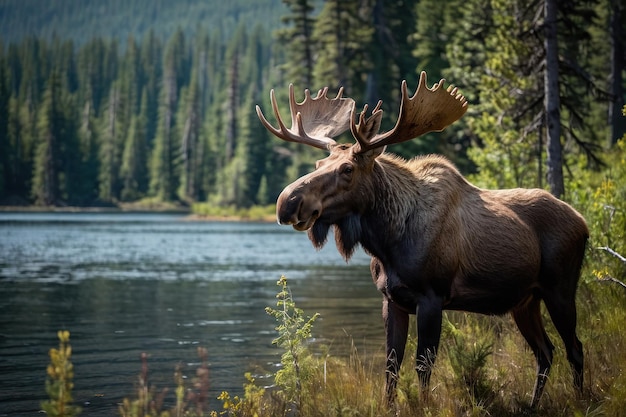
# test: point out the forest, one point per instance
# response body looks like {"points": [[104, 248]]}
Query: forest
{"points": [[169, 117]]}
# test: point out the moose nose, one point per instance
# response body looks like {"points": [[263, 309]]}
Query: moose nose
{"points": [[287, 208]]}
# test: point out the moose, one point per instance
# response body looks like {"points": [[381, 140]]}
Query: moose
{"points": [[436, 241]]}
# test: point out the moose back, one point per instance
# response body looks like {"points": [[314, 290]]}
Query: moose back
{"points": [[436, 241]]}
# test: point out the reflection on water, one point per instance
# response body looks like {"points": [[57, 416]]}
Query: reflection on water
{"points": [[127, 283]]}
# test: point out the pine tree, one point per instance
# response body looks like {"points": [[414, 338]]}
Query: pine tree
{"points": [[392, 57], [133, 171], [45, 187], [342, 34], [552, 101], [617, 32], [251, 152], [152, 71], [298, 40], [7, 149], [189, 127], [111, 141], [165, 155], [512, 90], [88, 146]]}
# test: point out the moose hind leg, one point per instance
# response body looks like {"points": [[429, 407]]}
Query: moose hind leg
{"points": [[563, 314], [528, 320]]}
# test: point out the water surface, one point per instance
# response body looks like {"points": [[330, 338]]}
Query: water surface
{"points": [[124, 284]]}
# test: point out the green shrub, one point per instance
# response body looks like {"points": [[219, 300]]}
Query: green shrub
{"points": [[59, 384]]}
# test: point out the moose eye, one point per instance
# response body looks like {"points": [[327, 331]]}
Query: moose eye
{"points": [[347, 169]]}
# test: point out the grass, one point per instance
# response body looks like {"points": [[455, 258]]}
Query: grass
{"points": [[231, 213], [484, 369]]}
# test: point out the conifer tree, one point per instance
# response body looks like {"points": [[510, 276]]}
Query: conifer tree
{"points": [[46, 170], [151, 68], [7, 150], [111, 142], [133, 170], [391, 55], [165, 155], [89, 163], [189, 127], [551, 100], [298, 40], [342, 34], [251, 151], [617, 89]]}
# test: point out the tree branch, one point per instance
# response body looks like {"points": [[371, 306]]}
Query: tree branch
{"points": [[609, 277], [613, 253]]}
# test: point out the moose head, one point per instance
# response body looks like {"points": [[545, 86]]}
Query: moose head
{"points": [[333, 190]]}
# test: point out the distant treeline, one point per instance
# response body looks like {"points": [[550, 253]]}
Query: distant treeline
{"points": [[82, 20], [103, 122]]}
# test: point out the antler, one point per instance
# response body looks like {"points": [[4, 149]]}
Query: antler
{"points": [[429, 110], [314, 121]]}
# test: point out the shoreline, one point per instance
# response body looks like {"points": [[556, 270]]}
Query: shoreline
{"points": [[94, 209], [189, 214]]}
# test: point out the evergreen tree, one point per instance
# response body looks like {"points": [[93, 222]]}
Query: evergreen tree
{"points": [[342, 35], [512, 96], [152, 71], [89, 162], [391, 54], [552, 101], [190, 143], [7, 149], [298, 40], [251, 151], [45, 187], [23, 133], [165, 155], [133, 171], [617, 33], [111, 144]]}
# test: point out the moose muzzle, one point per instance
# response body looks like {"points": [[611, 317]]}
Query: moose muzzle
{"points": [[298, 208]]}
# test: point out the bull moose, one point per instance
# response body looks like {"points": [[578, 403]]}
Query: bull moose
{"points": [[436, 241]]}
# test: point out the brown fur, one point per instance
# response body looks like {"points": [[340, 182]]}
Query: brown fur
{"points": [[438, 242]]}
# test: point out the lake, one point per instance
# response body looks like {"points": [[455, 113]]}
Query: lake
{"points": [[124, 284]]}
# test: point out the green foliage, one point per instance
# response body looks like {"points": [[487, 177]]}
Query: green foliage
{"points": [[468, 354], [59, 383], [254, 213], [601, 197], [294, 329]]}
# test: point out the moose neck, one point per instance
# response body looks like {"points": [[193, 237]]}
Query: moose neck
{"points": [[400, 198]]}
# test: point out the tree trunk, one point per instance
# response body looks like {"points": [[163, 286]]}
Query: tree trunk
{"points": [[617, 122], [552, 101]]}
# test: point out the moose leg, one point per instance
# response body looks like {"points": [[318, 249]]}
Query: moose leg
{"points": [[528, 320], [396, 329], [429, 313], [563, 314]]}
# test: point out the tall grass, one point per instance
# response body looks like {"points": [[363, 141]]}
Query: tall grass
{"points": [[484, 369]]}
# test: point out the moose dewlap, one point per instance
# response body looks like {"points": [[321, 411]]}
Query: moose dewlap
{"points": [[436, 241]]}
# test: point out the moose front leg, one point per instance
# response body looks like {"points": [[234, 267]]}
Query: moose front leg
{"points": [[429, 314], [396, 330]]}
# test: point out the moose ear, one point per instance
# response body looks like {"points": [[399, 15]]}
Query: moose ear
{"points": [[373, 153]]}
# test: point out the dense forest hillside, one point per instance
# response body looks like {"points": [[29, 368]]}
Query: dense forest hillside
{"points": [[168, 114], [81, 20]]}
